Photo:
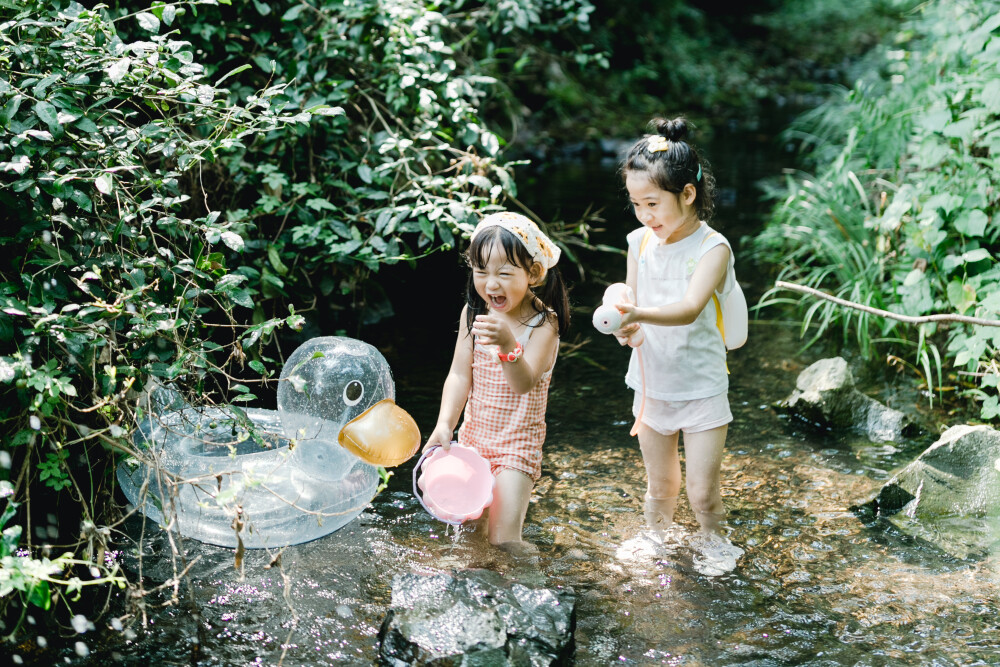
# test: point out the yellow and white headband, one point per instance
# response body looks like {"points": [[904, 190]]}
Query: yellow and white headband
{"points": [[539, 246]]}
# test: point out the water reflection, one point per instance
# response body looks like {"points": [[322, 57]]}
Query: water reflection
{"points": [[816, 585]]}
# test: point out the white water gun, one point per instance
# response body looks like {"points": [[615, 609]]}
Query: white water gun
{"points": [[608, 320]]}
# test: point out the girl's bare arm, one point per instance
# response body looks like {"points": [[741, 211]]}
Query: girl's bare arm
{"points": [[456, 389], [709, 275]]}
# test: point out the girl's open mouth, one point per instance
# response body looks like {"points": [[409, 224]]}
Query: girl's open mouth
{"points": [[498, 302]]}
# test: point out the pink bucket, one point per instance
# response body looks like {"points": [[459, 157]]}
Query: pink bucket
{"points": [[457, 484]]}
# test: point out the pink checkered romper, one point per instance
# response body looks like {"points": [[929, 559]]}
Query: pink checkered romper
{"points": [[506, 428]]}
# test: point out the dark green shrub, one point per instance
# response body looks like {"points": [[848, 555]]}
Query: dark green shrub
{"points": [[901, 212], [156, 220], [111, 275]]}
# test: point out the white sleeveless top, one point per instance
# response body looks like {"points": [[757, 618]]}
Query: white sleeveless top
{"points": [[682, 363]]}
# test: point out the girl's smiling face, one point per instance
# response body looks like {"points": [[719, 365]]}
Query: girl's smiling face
{"points": [[501, 283], [669, 215]]}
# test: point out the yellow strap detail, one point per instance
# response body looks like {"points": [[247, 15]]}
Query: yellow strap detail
{"points": [[719, 324], [645, 241]]}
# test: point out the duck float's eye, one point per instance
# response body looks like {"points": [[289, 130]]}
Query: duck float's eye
{"points": [[353, 393]]}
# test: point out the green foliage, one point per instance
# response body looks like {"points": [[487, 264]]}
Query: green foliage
{"points": [[161, 219], [36, 580], [901, 212], [702, 59], [109, 278], [403, 165]]}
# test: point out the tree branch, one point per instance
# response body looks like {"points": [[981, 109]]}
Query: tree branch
{"points": [[911, 319]]}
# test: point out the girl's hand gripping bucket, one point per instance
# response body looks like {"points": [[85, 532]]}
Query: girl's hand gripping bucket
{"points": [[457, 484]]}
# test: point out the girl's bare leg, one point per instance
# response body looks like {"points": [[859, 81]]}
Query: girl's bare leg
{"points": [[663, 476], [511, 494], [703, 459]]}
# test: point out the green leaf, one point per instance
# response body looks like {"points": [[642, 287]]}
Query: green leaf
{"points": [[8, 514], [320, 204], [87, 125], [989, 96], [326, 110], [10, 110], [19, 165], [81, 200], [293, 13], [48, 115], [232, 73], [38, 90], [935, 121], [274, 257], [117, 70], [148, 22], [971, 223], [103, 184], [977, 255], [11, 537], [39, 595], [961, 295], [991, 410], [365, 173], [242, 297], [233, 240]]}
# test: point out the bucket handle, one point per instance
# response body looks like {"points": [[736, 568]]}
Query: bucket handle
{"points": [[416, 490]]}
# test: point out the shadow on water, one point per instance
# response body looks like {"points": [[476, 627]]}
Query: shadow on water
{"points": [[815, 587]]}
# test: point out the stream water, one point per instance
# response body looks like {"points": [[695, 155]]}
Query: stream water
{"points": [[816, 585]]}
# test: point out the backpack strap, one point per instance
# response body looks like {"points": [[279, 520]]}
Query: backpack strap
{"points": [[645, 241], [719, 324]]}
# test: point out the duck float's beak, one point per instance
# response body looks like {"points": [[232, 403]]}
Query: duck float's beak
{"points": [[383, 435]]}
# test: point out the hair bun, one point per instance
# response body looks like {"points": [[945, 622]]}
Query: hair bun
{"points": [[674, 130]]}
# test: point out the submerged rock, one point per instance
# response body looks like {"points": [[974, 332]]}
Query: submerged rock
{"points": [[825, 395], [476, 617], [949, 495]]}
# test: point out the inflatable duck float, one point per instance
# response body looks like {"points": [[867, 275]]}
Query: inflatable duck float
{"points": [[268, 478]]}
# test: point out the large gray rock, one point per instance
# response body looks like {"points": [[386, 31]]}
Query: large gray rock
{"points": [[950, 494], [476, 617], [825, 395]]}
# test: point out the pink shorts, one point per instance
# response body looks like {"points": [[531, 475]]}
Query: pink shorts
{"points": [[668, 417]]}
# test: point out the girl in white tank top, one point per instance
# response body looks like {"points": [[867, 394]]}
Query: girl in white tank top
{"points": [[674, 277]]}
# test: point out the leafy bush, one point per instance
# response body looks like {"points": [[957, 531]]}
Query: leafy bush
{"points": [[723, 62], [107, 278], [158, 218], [900, 214], [407, 167]]}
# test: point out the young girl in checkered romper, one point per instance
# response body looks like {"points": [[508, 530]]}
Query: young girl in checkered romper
{"points": [[516, 309], [683, 384]]}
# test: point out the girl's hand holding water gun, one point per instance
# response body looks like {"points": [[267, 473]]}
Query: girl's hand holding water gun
{"points": [[617, 315], [626, 334]]}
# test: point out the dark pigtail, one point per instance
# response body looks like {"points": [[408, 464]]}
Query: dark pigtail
{"points": [[551, 292]]}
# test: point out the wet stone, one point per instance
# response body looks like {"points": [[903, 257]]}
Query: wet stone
{"points": [[476, 617], [949, 495], [825, 395]]}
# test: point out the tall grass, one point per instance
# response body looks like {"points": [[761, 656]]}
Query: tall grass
{"points": [[899, 210]]}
